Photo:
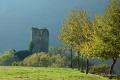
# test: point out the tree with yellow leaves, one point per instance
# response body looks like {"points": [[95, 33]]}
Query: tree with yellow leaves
{"points": [[77, 33]]}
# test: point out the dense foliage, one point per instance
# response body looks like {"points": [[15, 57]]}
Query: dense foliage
{"points": [[107, 28], [57, 57], [102, 69], [21, 55], [99, 38], [76, 32], [7, 57]]}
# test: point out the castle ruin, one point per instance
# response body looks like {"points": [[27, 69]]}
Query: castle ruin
{"points": [[40, 40]]}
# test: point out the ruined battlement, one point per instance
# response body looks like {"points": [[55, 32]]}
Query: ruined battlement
{"points": [[40, 40]]}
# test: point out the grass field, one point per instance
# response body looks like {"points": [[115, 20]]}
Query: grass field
{"points": [[36, 73]]}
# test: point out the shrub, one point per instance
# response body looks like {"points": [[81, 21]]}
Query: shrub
{"points": [[38, 59], [100, 69], [43, 60], [21, 55], [7, 57], [57, 61]]}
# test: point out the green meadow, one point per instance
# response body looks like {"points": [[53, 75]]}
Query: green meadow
{"points": [[42, 73]]}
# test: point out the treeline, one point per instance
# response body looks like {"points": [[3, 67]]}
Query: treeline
{"points": [[56, 57], [97, 37]]}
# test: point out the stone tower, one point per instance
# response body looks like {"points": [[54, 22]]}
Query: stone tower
{"points": [[40, 40]]}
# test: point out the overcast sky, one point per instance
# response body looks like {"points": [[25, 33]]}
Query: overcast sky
{"points": [[18, 16]]}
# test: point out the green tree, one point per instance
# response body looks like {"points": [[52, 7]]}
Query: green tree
{"points": [[77, 32], [100, 38], [7, 57], [107, 28], [37, 59]]}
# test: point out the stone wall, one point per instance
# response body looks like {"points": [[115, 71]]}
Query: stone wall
{"points": [[40, 40]]}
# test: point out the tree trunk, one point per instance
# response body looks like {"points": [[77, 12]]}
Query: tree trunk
{"points": [[78, 60], [71, 59], [112, 66], [82, 64], [87, 66]]}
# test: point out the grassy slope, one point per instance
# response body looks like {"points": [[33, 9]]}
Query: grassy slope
{"points": [[32, 73]]}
